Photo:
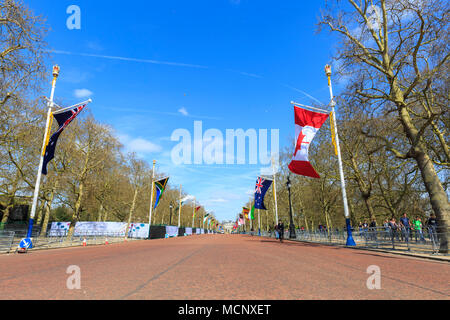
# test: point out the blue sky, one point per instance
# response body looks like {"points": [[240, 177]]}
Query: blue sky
{"points": [[152, 67]]}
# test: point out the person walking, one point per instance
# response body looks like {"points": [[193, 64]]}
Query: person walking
{"points": [[406, 227], [386, 229], [393, 230], [277, 233], [418, 228], [432, 227], [373, 229], [280, 227]]}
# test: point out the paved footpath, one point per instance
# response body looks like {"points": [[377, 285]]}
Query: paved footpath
{"points": [[219, 267]]}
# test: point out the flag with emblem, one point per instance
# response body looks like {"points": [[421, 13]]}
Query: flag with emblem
{"points": [[160, 187], [307, 124], [64, 118], [246, 212], [262, 186]]}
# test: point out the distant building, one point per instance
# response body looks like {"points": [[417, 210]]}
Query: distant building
{"points": [[228, 226]]}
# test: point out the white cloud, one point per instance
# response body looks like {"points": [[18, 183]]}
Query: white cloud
{"points": [[144, 146], [82, 93], [183, 111], [188, 199], [139, 145], [217, 201]]}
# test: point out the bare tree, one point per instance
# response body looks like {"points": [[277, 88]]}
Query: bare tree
{"points": [[398, 50]]}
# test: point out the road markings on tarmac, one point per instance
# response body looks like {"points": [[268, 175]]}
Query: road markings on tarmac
{"points": [[161, 274]]}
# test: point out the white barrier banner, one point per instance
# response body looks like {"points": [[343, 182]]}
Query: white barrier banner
{"points": [[117, 229], [188, 231], [59, 229], [172, 231], [138, 230], [100, 228]]}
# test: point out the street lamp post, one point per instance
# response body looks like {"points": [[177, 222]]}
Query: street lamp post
{"points": [[292, 234], [170, 219]]}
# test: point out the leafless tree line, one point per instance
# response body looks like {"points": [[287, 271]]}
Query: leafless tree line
{"points": [[91, 178]]}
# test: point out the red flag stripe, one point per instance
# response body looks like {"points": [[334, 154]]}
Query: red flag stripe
{"points": [[303, 168], [306, 118]]}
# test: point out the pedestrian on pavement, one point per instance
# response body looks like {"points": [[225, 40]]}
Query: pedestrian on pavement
{"points": [[432, 228], [406, 227], [393, 226], [386, 229], [418, 229], [373, 229], [277, 232], [280, 228]]}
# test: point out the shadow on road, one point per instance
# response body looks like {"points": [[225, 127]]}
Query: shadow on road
{"points": [[294, 243]]}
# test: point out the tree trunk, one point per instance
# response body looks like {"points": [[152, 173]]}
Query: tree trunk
{"points": [[369, 207], [6, 214], [47, 213], [76, 213], [133, 205], [100, 213], [438, 197], [40, 212]]}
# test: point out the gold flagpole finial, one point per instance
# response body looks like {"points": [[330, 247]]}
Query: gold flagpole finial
{"points": [[328, 73]]}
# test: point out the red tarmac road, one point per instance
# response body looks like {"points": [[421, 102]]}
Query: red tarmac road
{"points": [[219, 267]]}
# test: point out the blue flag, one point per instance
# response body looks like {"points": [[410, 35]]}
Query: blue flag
{"points": [[262, 185], [64, 119]]}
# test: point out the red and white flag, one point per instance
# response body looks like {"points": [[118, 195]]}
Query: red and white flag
{"points": [[307, 124]]}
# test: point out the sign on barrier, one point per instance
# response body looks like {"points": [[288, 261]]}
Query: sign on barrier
{"points": [[171, 232], [137, 230]]}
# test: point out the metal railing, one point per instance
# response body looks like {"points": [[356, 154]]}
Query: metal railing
{"points": [[425, 241], [6, 241]]}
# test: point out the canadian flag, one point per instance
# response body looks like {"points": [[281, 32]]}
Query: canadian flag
{"points": [[307, 124]]}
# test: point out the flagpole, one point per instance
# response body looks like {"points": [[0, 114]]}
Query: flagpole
{"points": [[350, 240], [179, 210], [193, 213], [259, 222], [309, 107], [56, 70], [151, 199], [275, 190]]}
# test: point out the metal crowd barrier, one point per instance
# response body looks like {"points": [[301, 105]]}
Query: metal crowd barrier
{"points": [[6, 240], [420, 241]]}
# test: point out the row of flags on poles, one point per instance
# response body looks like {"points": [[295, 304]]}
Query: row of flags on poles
{"points": [[262, 186], [307, 125]]}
